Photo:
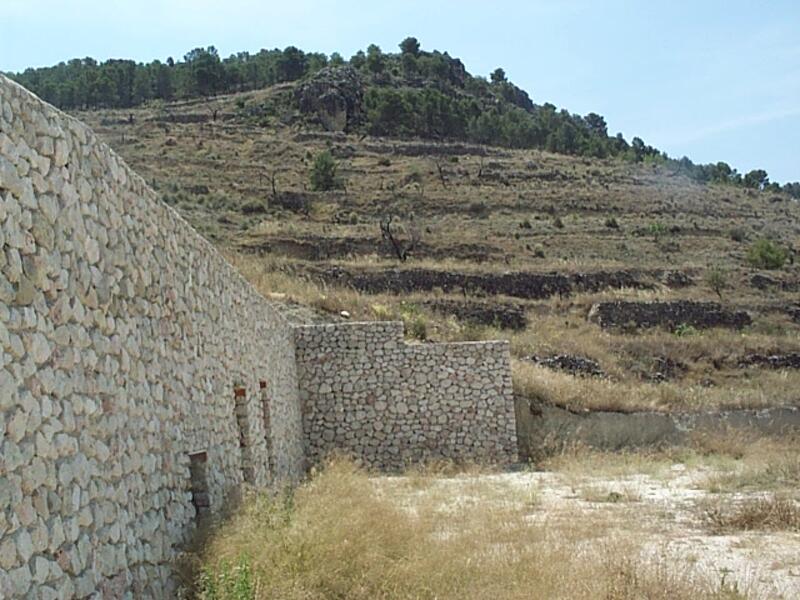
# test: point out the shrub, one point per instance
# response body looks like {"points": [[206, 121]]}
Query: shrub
{"points": [[417, 327], [478, 207], [684, 329], [416, 324], [657, 230], [717, 280], [766, 254], [323, 172], [253, 207], [772, 512], [611, 223], [558, 223]]}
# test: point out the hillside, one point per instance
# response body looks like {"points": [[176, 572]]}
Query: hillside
{"points": [[410, 93], [502, 242]]}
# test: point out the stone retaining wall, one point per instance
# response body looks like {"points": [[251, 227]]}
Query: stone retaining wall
{"points": [[544, 428], [367, 393], [123, 336], [702, 315]]}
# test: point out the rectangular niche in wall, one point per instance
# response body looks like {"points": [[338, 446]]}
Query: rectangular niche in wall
{"points": [[267, 416], [199, 484], [241, 414]]}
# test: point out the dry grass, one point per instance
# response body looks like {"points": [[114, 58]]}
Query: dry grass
{"points": [[603, 493], [339, 536], [621, 356], [771, 513], [765, 463], [521, 193], [739, 460], [583, 393]]}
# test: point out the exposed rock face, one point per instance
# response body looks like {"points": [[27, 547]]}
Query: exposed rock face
{"points": [[575, 365], [772, 361], [664, 368], [457, 72], [335, 95], [517, 96], [765, 282], [701, 315], [794, 312], [367, 393], [496, 314], [516, 284]]}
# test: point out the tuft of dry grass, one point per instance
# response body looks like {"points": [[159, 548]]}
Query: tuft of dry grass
{"points": [[766, 464], [606, 494], [583, 393], [739, 460], [772, 512], [342, 536]]}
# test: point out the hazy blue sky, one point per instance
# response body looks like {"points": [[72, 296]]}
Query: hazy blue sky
{"points": [[714, 80]]}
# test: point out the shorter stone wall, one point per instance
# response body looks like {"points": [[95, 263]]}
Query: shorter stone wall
{"points": [[701, 315], [366, 393], [544, 428]]}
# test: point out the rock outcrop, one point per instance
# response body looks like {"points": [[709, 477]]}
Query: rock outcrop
{"points": [[334, 95], [772, 361], [570, 363], [700, 315], [504, 315], [520, 284]]}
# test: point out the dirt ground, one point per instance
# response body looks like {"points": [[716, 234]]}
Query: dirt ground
{"points": [[661, 512]]}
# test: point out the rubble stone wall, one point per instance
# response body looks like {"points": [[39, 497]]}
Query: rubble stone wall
{"points": [[368, 394], [123, 337]]}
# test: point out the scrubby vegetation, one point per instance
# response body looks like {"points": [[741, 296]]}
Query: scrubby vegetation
{"points": [[410, 93], [343, 535], [766, 254], [324, 173]]}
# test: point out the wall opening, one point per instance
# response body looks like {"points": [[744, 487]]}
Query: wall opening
{"points": [[267, 421], [198, 478], [240, 413]]}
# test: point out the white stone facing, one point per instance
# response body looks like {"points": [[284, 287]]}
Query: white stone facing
{"points": [[122, 336]]}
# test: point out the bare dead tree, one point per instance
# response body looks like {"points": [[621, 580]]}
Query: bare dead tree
{"points": [[442, 174], [401, 248], [212, 107], [271, 177]]}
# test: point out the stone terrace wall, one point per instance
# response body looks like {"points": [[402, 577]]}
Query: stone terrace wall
{"points": [[122, 337], [367, 393]]}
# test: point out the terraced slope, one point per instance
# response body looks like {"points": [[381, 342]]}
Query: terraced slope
{"points": [[508, 243]]}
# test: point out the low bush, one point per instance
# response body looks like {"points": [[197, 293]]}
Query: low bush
{"points": [[766, 254], [773, 512]]}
